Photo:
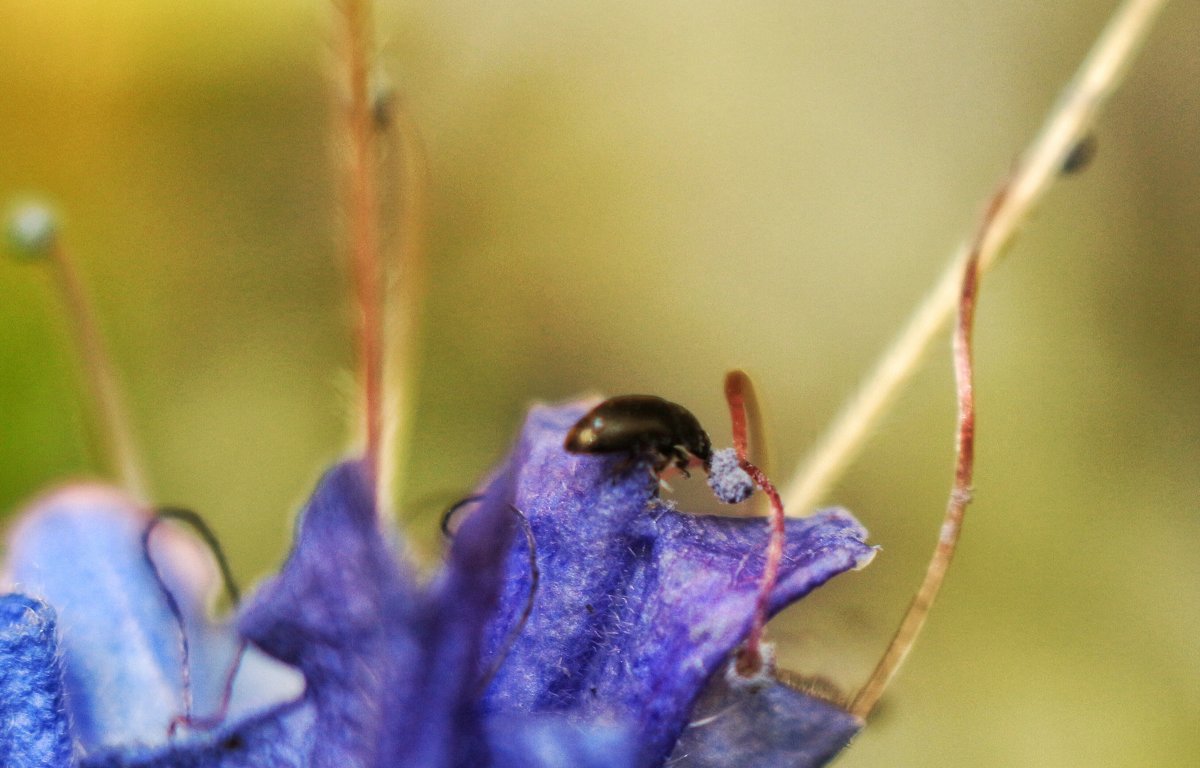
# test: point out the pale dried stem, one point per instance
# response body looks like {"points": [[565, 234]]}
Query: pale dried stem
{"points": [[1042, 162], [1068, 123], [111, 425], [405, 294]]}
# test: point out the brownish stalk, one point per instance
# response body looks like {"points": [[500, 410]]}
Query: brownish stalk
{"points": [[360, 199]]}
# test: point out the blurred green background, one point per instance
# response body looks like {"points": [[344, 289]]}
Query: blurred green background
{"points": [[637, 197]]}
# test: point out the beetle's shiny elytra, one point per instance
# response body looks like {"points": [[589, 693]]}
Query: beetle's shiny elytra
{"points": [[642, 425]]}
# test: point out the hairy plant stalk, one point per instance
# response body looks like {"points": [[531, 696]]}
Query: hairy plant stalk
{"points": [[360, 199], [1068, 123]]}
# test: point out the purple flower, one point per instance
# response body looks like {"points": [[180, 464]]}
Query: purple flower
{"points": [[357, 663]]}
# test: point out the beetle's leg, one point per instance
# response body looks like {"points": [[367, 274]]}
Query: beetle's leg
{"points": [[681, 459]]}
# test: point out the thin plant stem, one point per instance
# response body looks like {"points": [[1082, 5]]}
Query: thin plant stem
{"points": [[361, 210], [111, 425], [1068, 123], [405, 292]]}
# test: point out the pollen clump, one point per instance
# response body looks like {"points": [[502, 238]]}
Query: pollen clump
{"points": [[729, 482]]}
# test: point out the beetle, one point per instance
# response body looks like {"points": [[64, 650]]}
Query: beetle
{"points": [[642, 426]]}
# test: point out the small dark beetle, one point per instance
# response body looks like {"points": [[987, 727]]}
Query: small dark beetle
{"points": [[642, 425]]}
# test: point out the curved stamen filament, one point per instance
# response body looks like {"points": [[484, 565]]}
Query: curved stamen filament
{"points": [[514, 632], [960, 494], [743, 406], [750, 660], [197, 523], [736, 384], [749, 434]]}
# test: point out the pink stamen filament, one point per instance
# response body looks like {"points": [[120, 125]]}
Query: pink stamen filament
{"points": [[750, 660], [735, 395]]}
